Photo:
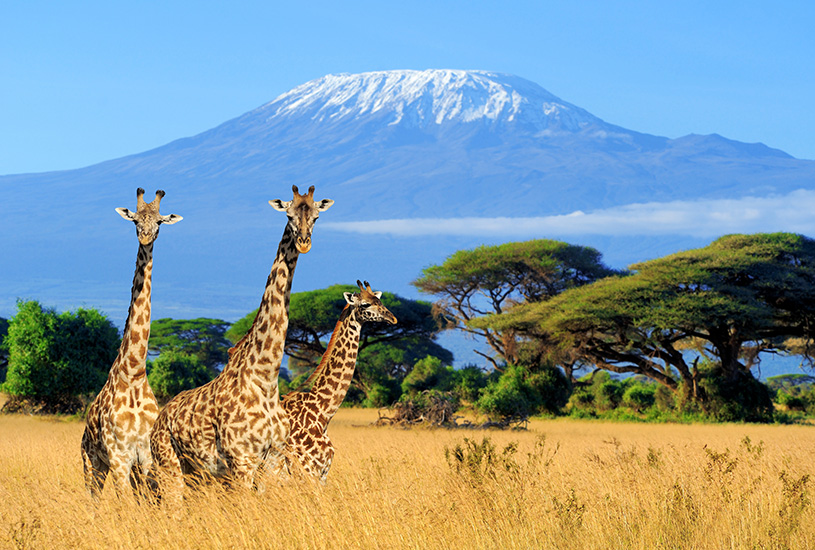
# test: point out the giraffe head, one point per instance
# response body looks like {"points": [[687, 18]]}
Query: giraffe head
{"points": [[302, 212], [368, 305], [146, 217]]}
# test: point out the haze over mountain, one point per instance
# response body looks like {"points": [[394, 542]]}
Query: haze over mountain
{"points": [[419, 163]]}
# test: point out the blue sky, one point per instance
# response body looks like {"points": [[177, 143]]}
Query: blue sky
{"points": [[87, 81]]}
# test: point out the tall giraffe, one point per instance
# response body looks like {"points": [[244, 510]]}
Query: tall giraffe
{"points": [[310, 411], [227, 425], [117, 429]]}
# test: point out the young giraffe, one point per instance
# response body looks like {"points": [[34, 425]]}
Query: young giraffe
{"points": [[117, 429], [310, 411], [227, 425]]}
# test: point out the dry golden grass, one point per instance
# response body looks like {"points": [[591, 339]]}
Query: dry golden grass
{"points": [[571, 484]]}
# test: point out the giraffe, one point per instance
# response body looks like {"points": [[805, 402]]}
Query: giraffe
{"points": [[226, 426], [117, 430], [310, 411]]}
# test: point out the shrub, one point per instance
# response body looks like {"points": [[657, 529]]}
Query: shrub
{"points": [[791, 402], [175, 371], [639, 397], [735, 399], [468, 382], [382, 394], [519, 394], [54, 357], [428, 373]]}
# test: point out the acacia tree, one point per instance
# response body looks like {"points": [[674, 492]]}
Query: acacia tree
{"points": [[739, 297], [490, 279]]}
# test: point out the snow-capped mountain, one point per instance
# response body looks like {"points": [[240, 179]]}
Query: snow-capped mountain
{"points": [[436, 144], [426, 98]]}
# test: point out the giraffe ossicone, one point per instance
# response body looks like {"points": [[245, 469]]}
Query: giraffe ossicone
{"points": [[227, 427], [310, 411], [117, 430]]}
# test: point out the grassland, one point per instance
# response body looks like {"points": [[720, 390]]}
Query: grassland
{"points": [[568, 484]]}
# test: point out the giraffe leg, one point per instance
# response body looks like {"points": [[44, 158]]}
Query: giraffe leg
{"points": [[165, 475], [121, 466], [95, 469], [242, 471], [140, 474]]}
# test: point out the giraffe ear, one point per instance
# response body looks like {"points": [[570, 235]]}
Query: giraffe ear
{"points": [[278, 204], [349, 297], [171, 219], [126, 214], [324, 205], [378, 293]]}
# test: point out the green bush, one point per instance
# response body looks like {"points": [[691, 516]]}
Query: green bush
{"points": [[468, 382], [639, 397], [609, 395], [740, 398], [175, 371], [518, 393], [428, 373], [382, 394], [791, 402], [55, 356]]}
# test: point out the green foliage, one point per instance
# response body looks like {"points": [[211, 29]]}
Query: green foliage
{"points": [[380, 394], [428, 373], [518, 393], [202, 337], [3, 349], [737, 398], [468, 381], [640, 397], [52, 356], [487, 279], [175, 371], [731, 301], [632, 398]]}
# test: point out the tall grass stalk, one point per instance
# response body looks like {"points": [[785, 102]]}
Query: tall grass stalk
{"points": [[562, 484]]}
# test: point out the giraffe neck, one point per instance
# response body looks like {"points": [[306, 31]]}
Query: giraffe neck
{"points": [[131, 361], [333, 375], [263, 344]]}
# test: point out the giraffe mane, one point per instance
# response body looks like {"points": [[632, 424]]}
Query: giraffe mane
{"points": [[346, 311]]}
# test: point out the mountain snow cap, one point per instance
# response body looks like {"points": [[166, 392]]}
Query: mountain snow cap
{"points": [[424, 98]]}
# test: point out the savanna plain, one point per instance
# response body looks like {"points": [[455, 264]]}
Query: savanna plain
{"points": [[558, 484]]}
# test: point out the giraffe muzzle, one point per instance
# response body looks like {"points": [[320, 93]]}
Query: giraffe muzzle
{"points": [[303, 244]]}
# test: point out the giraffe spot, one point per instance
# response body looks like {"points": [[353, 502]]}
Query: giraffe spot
{"points": [[126, 420], [140, 319], [146, 333], [134, 338], [140, 300]]}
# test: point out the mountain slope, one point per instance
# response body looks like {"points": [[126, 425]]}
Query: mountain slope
{"points": [[390, 144]]}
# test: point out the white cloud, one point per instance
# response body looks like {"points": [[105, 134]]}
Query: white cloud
{"points": [[704, 218]]}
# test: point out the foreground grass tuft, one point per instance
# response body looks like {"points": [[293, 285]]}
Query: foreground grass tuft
{"points": [[562, 484]]}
